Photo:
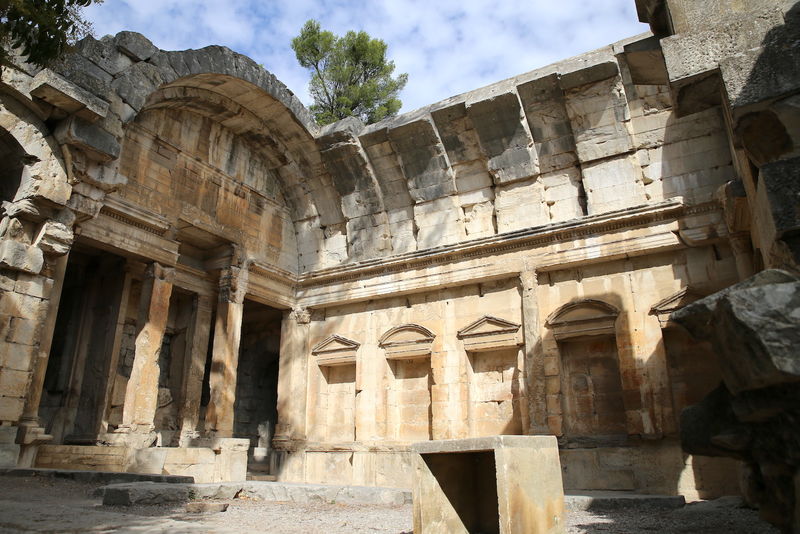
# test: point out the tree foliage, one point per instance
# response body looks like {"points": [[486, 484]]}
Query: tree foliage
{"points": [[41, 30], [350, 75]]}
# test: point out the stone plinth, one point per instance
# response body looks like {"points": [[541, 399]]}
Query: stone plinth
{"points": [[497, 484]]}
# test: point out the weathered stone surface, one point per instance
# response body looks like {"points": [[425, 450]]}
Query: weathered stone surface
{"points": [[505, 140], [97, 142], [553, 194], [754, 414], [135, 45], [21, 257], [54, 238], [423, 160], [487, 484], [200, 507], [145, 493], [59, 92], [137, 82]]}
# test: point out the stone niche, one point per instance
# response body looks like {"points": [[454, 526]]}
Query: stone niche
{"points": [[495, 376], [591, 386], [335, 409], [410, 379]]}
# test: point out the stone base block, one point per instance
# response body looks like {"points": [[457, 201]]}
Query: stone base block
{"points": [[9, 454], [502, 484]]}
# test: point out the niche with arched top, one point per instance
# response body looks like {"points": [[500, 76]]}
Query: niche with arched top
{"points": [[409, 410], [591, 387]]}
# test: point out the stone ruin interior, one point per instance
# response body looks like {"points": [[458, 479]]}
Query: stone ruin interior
{"points": [[198, 279]]}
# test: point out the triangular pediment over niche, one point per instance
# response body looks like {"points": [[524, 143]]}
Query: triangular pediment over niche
{"points": [[490, 333], [666, 306], [335, 343], [487, 325], [407, 341], [336, 350]]}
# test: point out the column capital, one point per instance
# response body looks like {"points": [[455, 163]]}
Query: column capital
{"points": [[159, 272], [233, 284], [301, 315]]}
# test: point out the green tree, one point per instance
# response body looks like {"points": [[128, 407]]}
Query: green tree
{"points": [[41, 29], [350, 75]]}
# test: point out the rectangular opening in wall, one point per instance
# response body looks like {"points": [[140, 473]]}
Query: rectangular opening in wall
{"points": [[80, 363], [469, 481], [256, 405]]}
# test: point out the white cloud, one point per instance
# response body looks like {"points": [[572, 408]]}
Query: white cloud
{"points": [[447, 47]]}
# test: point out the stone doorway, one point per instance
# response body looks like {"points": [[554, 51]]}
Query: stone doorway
{"points": [[76, 386], [256, 406]]}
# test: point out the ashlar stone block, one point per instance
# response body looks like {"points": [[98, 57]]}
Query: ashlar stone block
{"points": [[498, 484], [504, 137]]}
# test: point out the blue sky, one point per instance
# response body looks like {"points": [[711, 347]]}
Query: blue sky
{"points": [[447, 47]]}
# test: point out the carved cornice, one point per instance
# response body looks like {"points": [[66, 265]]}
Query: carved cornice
{"points": [[134, 216], [509, 241]]}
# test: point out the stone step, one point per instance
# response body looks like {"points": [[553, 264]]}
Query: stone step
{"points": [[81, 457], [261, 477], [101, 477], [155, 493], [609, 500]]}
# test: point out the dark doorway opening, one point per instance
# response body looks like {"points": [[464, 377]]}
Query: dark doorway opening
{"points": [[75, 389], [256, 406]]}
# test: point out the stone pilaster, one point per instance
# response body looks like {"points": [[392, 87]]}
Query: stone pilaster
{"points": [[194, 368], [141, 395], [293, 365], [534, 355], [225, 352]]}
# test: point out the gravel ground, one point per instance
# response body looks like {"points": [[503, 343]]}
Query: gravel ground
{"points": [[52, 505]]}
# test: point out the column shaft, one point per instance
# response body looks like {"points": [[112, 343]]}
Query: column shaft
{"points": [[141, 395]]}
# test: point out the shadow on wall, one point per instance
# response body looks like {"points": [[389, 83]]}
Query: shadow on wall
{"points": [[592, 367]]}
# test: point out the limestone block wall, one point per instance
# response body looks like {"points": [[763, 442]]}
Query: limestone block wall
{"points": [[578, 138], [35, 233], [634, 288], [186, 166], [442, 393]]}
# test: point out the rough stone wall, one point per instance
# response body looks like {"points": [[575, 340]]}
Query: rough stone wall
{"points": [[436, 264]]}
